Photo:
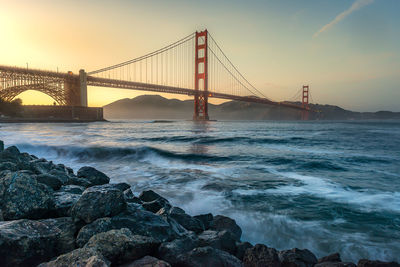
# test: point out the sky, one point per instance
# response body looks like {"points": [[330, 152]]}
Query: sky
{"points": [[348, 51]]}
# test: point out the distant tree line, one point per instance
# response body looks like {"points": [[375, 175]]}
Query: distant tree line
{"points": [[12, 109]]}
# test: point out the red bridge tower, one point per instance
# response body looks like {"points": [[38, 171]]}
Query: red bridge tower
{"points": [[201, 77], [304, 113]]}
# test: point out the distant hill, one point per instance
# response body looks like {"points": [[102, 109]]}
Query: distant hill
{"points": [[158, 107]]}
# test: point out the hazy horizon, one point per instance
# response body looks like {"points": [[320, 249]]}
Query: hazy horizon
{"points": [[347, 51]]}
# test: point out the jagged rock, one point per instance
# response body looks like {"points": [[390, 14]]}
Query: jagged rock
{"points": [[370, 263], [241, 248], [1, 146], [78, 181], [335, 264], [27, 242], [82, 257], [120, 246], [297, 257], [139, 222], [206, 219], [169, 251], [207, 256], [335, 257], [150, 195], [11, 166], [23, 197], [63, 202], [261, 255], [130, 197], [223, 240], [220, 223], [155, 205], [188, 222], [49, 180], [62, 175], [147, 261], [94, 176], [121, 186], [97, 202], [73, 189]]}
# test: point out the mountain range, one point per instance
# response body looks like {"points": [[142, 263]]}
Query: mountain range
{"points": [[158, 107]]}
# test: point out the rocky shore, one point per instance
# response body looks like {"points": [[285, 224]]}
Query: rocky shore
{"points": [[50, 216]]}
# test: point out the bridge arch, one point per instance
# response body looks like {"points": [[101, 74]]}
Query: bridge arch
{"points": [[55, 91]]}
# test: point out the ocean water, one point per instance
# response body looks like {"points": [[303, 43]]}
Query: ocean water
{"points": [[326, 186]]}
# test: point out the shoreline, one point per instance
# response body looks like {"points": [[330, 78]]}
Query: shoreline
{"points": [[38, 120], [52, 216]]}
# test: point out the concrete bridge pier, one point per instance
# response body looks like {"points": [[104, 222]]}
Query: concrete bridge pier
{"points": [[76, 89]]}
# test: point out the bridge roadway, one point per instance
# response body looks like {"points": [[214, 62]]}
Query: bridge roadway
{"points": [[19, 75]]}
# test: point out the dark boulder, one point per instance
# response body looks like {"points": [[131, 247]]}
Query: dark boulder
{"points": [[63, 202], [241, 248], [335, 257], [79, 181], [121, 186], [73, 189], [10, 166], [220, 223], [297, 257], [120, 246], [130, 197], [97, 202], [62, 175], [169, 251], [147, 261], [155, 205], [206, 219], [139, 222], [261, 255], [49, 180], [335, 264], [1, 146], [223, 240], [22, 197], [82, 257], [94, 176], [150, 195], [27, 242], [207, 256], [188, 222], [370, 263]]}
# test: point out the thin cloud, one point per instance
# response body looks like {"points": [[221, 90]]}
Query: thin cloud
{"points": [[354, 7]]}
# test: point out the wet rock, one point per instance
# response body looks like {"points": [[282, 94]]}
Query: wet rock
{"points": [[27, 242], [208, 256], [335, 257], [97, 202], [130, 197], [223, 240], [241, 248], [11, 166], [147, 261], [1, 146], [120, 246], [63, 202], [370, 263], [261, 255], [62, 175], [206, 219], [150, 195], [78, 181], [139, 222], [335, 264], [73, 189], [155, 205], [169, 251], [187, 221], [49, 180], [94, 176], [220, 223], [23, 197], [82, 257], [297, 257], [121, 186]]}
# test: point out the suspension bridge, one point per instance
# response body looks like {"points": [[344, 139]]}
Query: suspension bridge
{"points": [[194, 65]]}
